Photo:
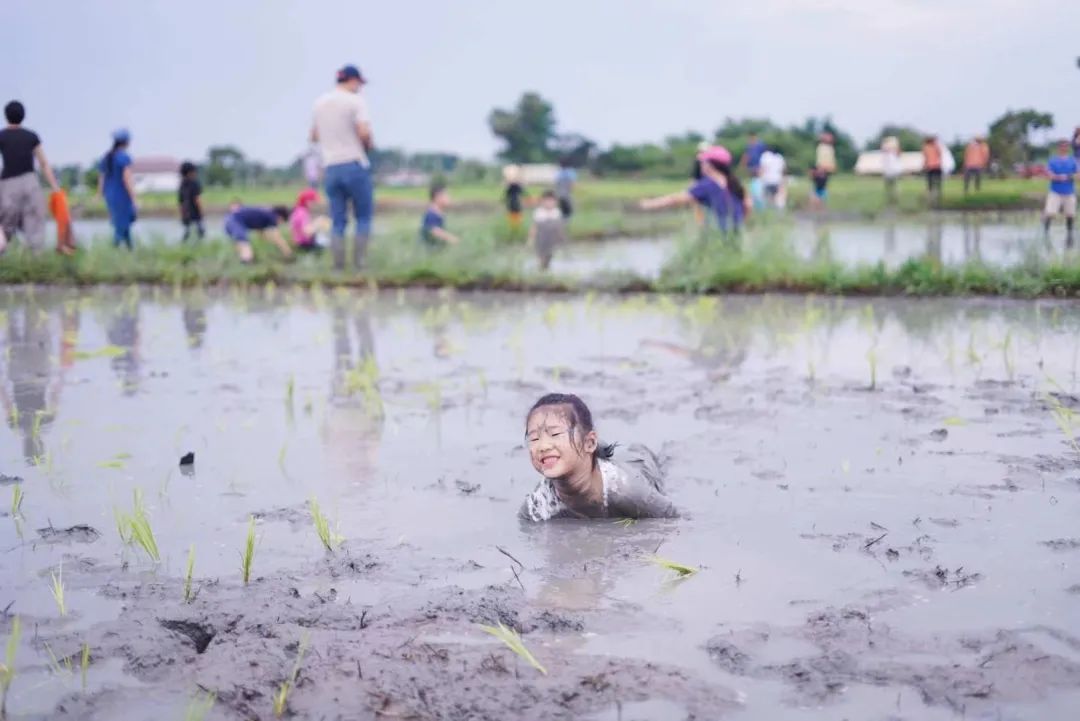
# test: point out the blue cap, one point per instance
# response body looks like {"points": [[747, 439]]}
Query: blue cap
{"points": [[121, 135], [350, 72]]}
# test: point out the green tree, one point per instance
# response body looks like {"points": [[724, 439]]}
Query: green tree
{"points": [[911, 139], [526, 130], [1010, 135], [224, 165]]}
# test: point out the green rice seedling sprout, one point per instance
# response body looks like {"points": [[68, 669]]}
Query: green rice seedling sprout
{"points": [[7, 668], [513, 641], [281, 698], [1006, 345], [55, 665], [16, 500], [139, 529], [14, 416], [249, 551], [190, 572], [199, 706], [35, 428], [871, 358], [330, 538], [57, 588], [290, 391], [84, 663], [281, 455], [681, 570], [625, 522]]}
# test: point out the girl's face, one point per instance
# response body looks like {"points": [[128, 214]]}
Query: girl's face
{"points": [[555, 448]]}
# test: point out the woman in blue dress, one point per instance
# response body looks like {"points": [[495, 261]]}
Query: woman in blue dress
{"points": [[116, 185]]}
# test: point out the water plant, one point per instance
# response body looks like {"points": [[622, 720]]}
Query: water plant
{"points": [[134, 527], [57, 666], [513, 641], [7, 668], [189, 574], [249, 551], [681, 570], [330, 538], [281, 698], [57, 587], [16, 500], [84, 663], [199, 705]]}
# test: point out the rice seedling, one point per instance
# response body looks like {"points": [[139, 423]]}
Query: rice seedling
{"points": [[1065, 418], [57, 666], [281, 698], [189, 574], [513, 641], [137, 525], [14, 415], [249, 551], [625, 522], [680, 570], [281, 455], [331, 539], [290, 391], [57, 588], [7, 668], [16, 500], [84, 663], [199, 705], [954, 421], [109, 351], [35, 427]]}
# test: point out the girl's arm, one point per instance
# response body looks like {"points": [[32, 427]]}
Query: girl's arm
{"points": [[675, 200], [445, 236], [46, 169]]}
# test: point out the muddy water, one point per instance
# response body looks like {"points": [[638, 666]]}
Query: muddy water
{"points": [[882, 504]]}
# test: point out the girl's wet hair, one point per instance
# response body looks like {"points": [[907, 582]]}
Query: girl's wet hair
{"points": [[578, 417], [734, 185]]}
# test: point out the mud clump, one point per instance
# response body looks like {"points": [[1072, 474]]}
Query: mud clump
{"points": [[199, 634], [1063, 544], [80, 533]]}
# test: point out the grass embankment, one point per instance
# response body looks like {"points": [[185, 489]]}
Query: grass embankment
{"points": [[764, 260], [849, 194]]}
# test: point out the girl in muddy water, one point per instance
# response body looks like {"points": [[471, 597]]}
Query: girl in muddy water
{"points": [[581, 477]]}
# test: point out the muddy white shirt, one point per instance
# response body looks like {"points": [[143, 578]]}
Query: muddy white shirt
{"points": [[633, 488]]}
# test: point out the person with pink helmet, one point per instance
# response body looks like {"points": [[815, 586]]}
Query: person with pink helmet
{"points": [[304, 227], [716, 188]]}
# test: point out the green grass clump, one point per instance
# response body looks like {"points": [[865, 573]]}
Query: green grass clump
{"points": [[134, 528], [189, 574], [681, 570], [330, 538], [513, 641], [248, 555], [281, 698], [57, 588], [7, 668]]}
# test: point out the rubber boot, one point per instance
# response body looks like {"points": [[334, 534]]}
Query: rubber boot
{"points": [[360, 245], [337, 249]]}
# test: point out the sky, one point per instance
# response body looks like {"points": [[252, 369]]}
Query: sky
{"points": [[186, 75]]}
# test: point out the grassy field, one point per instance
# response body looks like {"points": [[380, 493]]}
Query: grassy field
{"points": [[849, 194], [764, 260]]}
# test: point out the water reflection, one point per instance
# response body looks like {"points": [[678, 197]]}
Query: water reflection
{"points": [[354, 420], [122, 331], [30, 405], [193, 314]]}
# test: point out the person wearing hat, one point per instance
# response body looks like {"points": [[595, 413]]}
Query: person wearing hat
{"points": [[115, 184], [304, 227], [718, 190], [976, 160], [342, 129], [1062, 169], [22, 204]]}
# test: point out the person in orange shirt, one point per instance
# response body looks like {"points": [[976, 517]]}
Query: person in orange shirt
{"points": [[931, 153], [976, 161]]}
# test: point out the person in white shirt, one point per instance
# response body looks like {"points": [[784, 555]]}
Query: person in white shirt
{"points": [[891, 168], [771, 170], [343, 132]]}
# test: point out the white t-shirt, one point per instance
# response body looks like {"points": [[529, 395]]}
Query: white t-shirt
{"points": [[772, 168], [336, 115]]}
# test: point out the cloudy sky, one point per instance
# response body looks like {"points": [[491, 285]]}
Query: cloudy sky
{"points": [[185, 75]]}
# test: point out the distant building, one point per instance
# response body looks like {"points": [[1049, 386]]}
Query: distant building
{"points": [[870, 163], [155, 174], [405, 178]]}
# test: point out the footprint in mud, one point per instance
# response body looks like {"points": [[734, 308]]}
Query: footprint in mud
{"points": [[1063, 544]]}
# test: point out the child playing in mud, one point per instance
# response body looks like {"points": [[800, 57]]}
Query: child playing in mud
{"points": [[433, 232], [548, 228], [581, 479]]}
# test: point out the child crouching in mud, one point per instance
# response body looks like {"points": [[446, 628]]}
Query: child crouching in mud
{"points": [[581, 477]]}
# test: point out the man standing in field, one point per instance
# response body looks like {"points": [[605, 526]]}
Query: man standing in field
{"points": [[1061, 199], [343, 131], [976, 161], [755, 148], [22, 204]]}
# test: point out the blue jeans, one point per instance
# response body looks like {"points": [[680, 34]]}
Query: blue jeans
{"points": [[345, 183]]}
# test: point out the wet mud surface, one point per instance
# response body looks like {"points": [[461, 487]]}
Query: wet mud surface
{"points": [[882, 498]]}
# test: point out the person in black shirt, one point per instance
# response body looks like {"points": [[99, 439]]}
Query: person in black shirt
{"points": [[513, 195], [22, 204], [190, 204]]}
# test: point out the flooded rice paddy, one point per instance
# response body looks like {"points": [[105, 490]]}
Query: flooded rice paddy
{"points": [[882, 497]]}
